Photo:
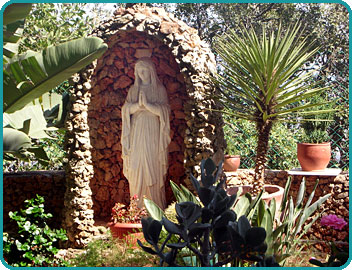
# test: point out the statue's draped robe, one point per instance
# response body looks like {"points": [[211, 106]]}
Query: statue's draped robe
{"points": [[145, 139]]}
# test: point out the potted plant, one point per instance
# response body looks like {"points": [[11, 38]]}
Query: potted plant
{"points": [[262, 81], [314, 156], [231, 162], [126, 220], [314, 149]]}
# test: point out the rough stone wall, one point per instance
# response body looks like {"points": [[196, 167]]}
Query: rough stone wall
{"points": [[78, 209], [337, 204], [184, 64], [113, 77], [22, 186]]}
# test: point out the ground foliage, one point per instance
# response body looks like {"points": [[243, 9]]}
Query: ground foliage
{"points": [[240, 137], [112, 252], [34, 243]]}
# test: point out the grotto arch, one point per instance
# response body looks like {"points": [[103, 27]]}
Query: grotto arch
{"points": [[184, 64]]}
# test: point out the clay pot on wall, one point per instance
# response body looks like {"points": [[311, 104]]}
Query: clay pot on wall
{"points": [[231, 163], [314, 157], [271, 192]]}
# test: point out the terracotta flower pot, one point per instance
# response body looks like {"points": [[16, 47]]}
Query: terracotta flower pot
{"points": [[231, 163], [314, 157], [129, 232]]}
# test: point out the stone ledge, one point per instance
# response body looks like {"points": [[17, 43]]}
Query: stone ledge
{"points": [[326, 172]]}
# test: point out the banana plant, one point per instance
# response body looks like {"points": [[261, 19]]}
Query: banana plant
{"points": [[13, 21], [262, 80], [46, 113], [29, 76]]}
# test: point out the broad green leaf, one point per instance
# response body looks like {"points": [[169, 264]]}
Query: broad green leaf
{"points": [[267, 224], [153, 209], [54, 107], [301, 193], [10, 49], [254, 205], [242, 205], [49, 68], [32, 115], [180, 197], [40, 154], [15, 140], [272, 208], [13, 21], [286, 193], [189, 195], [15, 12], [261, 213]]}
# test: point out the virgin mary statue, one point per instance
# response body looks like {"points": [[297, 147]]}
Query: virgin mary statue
{"points": [[146, 134]]}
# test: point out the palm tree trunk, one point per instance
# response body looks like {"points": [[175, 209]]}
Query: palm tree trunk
{"points": [[263, 129]]}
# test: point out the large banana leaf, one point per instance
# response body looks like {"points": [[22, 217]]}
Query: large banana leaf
{"points": [[15, 12], [29, 76], [54, 107], [18, 144], [13, 21], [15, 140], [29, 120], [45, 113]]}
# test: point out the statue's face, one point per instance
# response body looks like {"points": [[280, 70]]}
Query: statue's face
{"points": [[144, 74]]}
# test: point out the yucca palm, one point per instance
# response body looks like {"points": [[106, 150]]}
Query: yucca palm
{"points": [[261, 82]]}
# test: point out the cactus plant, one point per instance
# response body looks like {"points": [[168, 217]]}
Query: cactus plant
{"points": [[210, 230]]}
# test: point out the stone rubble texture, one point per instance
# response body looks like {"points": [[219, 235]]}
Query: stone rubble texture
{"points": [[184, 65], [21, 186]]}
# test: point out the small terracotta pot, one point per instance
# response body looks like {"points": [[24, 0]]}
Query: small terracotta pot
{"points": [[231, 163], [129, 232], [273, 191], [314, 157]]}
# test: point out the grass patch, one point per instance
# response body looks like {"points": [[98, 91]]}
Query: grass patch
{"points": [[113, 253]]}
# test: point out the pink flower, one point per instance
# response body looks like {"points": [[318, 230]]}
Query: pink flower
{"points": [[333, 221], [130, 213]]}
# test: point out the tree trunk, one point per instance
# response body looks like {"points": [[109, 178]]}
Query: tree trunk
{"points": [[263, 129]]}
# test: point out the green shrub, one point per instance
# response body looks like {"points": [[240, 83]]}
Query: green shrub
{"points": [[316, 129], [35, 244], [240, 136]]}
